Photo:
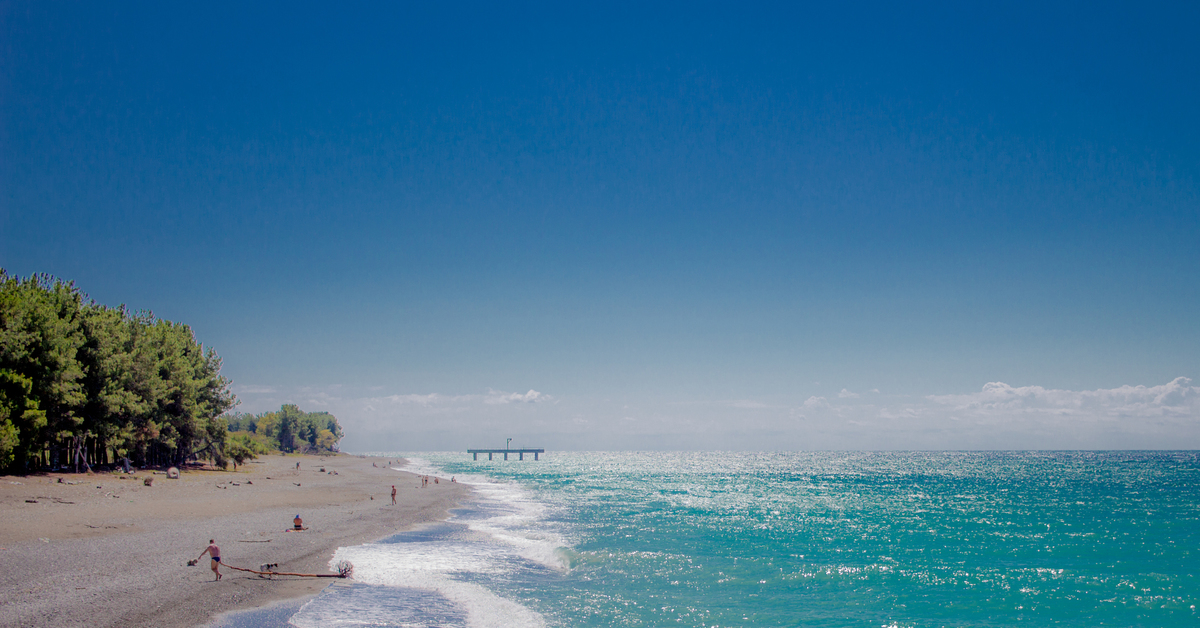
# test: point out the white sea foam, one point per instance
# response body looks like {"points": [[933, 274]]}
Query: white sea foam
{"points": [[431, 576], [513, 516]]}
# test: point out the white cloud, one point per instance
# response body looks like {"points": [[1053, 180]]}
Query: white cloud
{"points": [[424, 400], [816, 402], [1175, 399], [251, 389], [905, 413], [495, 397], [846, 394]]}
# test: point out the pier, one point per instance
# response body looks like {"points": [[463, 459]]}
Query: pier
{"points": [[520, 453]]}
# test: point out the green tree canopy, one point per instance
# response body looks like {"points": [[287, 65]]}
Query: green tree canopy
{"points": [[292, 429], [80, 381]]}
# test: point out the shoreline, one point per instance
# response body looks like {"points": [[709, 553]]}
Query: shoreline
{"points": [[97, 550]]}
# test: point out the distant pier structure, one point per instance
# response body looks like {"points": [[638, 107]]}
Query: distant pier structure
{"points": [[520, 453]]}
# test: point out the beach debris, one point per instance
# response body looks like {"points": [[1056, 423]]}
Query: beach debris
{"points": [[31, 501], [322, 469], [192, 562], [148, 481], [44, 539], [173, 473], [249, 482], [296, 483], [345, 570]]}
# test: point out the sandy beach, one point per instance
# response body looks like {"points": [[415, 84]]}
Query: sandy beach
{"points": [[106, 550]]}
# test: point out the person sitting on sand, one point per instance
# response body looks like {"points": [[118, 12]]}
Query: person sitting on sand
{"points": [[297, 523], [215, 552]]}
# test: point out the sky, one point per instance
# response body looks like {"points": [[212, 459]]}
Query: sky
{"points": [[741, 226]]}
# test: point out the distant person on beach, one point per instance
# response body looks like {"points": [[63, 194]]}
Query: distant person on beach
{"points": [[452, 479], [215, 552], [393, 494], [297, 465], [297, 523]]}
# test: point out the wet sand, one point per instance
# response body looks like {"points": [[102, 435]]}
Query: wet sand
{"points": [[98, 550]]}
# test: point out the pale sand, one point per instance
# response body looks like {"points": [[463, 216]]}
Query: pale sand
{"points": [[112, 552]]}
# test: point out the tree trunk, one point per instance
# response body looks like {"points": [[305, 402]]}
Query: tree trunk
{"points": [[79, 454]]}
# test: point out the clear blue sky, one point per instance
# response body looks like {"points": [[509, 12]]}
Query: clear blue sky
{"points": [[681, 226]]}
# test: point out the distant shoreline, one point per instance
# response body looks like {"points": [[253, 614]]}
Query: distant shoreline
{"points": [[97, 550]]}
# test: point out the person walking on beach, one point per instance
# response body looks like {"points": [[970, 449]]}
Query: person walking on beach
{"points": [[215, 552], [393, 494]]}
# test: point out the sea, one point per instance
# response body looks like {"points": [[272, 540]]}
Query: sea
{"points": [[737, 539]]}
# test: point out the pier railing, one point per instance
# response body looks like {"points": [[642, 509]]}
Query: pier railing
{"points": [[520, 453]]}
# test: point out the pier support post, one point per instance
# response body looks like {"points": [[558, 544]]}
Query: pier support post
{"points": [[489, 455], [535, 455], [475, 456], [521, 456], [506, 455]]}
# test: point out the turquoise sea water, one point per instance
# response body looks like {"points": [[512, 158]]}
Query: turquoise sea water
{"points": [[792, 539]]}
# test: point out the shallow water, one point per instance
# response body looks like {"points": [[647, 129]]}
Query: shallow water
{"points": [[792, 539]]}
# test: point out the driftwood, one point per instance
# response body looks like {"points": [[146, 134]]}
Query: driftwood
{"points": [[345, 570]]}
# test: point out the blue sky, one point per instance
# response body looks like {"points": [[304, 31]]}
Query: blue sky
{"points": [[676, 226]]}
